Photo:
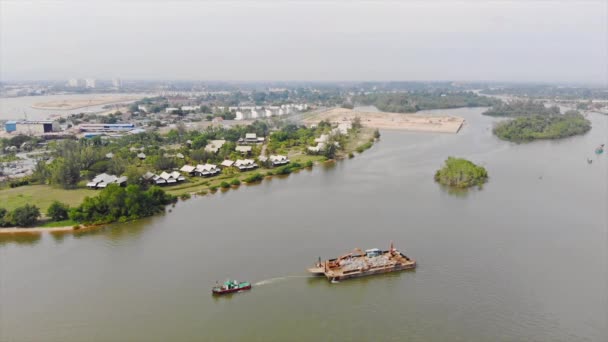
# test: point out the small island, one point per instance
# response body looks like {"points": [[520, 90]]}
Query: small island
{"points": [[461, 173], [523, 129]]}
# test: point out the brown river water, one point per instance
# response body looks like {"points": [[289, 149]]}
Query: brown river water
{"points": [[523, 259]]}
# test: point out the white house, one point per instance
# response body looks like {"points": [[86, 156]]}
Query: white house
{"points": [[214, 145], [245, 164], [165, 178], [190, 108], [189, 169], [102, 180], [243, 149], [278, 160], [207, 170], [227, 163]]}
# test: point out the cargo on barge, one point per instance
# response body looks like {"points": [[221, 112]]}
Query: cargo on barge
{"points": [[361, 264]]}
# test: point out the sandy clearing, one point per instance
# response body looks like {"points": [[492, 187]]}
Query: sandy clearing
{"points": [[410, 122], [69, 104]]}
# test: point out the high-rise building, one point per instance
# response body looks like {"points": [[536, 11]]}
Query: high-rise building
{"points": [[75, 83], [117, 83], [91, 83]]}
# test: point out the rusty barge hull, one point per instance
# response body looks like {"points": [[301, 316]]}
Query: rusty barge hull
{"points": [[368, 273]]}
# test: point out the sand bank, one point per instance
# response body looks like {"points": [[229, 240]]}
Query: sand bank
{"points": [[69, 104], [410, 122]]}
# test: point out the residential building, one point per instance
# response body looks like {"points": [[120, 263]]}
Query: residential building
{"points": [[278, 160], [245, 164], [123, 127], [189, 169], [207, 170], [103, 180], [214, 145], [90, 83], [117, 83], [245, 150], [227, 163], [76, 83], [165, 178]]}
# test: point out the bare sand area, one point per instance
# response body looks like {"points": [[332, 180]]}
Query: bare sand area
{"points": [[75, 103], [410, 122]]}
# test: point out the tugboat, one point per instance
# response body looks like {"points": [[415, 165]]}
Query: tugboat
{"points": [[231, 286], [600, 149]]}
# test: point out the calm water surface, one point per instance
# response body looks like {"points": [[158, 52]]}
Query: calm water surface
{"points": [[522, 259]]}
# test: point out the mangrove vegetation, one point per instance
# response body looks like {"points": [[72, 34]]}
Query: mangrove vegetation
{"points": [[461, 173], [412, 102], [534, 127], [518, 108]]}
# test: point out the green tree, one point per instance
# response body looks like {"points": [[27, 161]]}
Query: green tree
{"points": [[58, 211], [24, 216], [3, 219]]}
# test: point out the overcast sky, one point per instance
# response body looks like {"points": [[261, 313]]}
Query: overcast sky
{"points": [[564, 41]]}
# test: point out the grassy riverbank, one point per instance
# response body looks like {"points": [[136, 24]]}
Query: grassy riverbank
{"points": [[43, 195]]}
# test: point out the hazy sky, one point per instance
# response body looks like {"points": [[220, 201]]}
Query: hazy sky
{"points": [[305, 40]]}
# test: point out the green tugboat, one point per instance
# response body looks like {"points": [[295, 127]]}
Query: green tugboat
{"points": [[231, 286], [600, 149]]}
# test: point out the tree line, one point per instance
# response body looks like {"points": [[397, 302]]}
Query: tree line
{"points": [[412, 102]]}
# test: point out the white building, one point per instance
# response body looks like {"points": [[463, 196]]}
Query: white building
{"points": [[117, 83], [190, 108], [75, 83], [90, 83]]}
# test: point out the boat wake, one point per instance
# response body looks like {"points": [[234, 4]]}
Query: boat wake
{"points": [[278, 279]]}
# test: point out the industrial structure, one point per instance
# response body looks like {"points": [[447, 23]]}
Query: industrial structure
{"points": [[31, 127]]}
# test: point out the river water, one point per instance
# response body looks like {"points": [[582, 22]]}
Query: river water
{"points": [[524, 258]]}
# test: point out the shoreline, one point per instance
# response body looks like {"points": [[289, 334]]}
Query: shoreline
{"points": [[38, 230], [202, 188]]}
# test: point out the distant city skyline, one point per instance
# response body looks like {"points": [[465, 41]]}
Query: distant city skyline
{"points": [[509, 41]]}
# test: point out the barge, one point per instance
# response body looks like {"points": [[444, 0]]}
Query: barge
{"points": [[361, 264]]}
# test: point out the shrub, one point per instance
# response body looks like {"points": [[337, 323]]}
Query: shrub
{"points": [[23, 216], [235, 182], [256, 177], [58, 211], [283, 170], [364, 147], [3, 221], [116, 203], [18, 183], [213, 188], [351, 155], [184, 196], [224, 185], [308, 163]]}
